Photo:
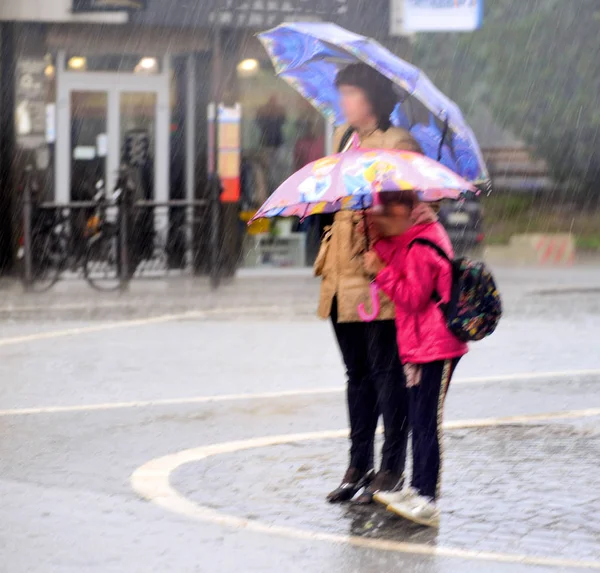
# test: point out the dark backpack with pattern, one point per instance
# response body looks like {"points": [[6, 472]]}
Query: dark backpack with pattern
{"points": [[475, 307]]}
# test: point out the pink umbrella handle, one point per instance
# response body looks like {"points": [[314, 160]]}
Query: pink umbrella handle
{"points": [[375, 306]]}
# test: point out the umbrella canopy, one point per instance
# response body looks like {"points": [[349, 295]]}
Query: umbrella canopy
{"points": [[309, 55], [351, 180]]}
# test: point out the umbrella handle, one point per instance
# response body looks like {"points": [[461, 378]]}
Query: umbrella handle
{"points": [[375, 306]]}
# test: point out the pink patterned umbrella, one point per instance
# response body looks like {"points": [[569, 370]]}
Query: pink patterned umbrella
{"points": [[350, 180]]}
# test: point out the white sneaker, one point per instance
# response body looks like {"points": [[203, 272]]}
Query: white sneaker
{"points": [[419, 509], [390, 497]]}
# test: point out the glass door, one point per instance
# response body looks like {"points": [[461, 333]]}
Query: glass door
{"points": [[89, 144], [100, 114], [137, 137]]}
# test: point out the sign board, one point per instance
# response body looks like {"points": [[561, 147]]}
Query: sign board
{"points": [[30, 112], [441, 15], [229, 152], [257, 15], [108, 5], [264, 14]]}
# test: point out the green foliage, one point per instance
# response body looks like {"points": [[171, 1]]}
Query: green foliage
{"points": [[508, 214], [536, 65]]}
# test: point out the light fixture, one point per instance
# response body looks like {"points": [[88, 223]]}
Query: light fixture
{"points": [[77, 63], [146, 65], [49, 71], [248, 67]]}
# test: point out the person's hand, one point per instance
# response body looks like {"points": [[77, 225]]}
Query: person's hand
{"points": [[360, 226], [372, 264]]}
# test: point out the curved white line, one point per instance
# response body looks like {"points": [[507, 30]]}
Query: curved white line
{"points": [[151, 481]]}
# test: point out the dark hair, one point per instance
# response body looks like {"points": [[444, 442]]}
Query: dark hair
{"points": [[378, 89], [406, 198]]}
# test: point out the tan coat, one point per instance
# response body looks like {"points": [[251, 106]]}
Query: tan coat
{"points": [[340, 263]]}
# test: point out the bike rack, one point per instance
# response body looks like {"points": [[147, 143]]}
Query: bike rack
{"points": [[124, 209]]}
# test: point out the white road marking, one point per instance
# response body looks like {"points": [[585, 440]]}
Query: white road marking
{"points": [[304, 307], [152, 482], [13, 340], [205, 313], [527, 376], [167, 402], [99, 328], [261, 395], [523, 419]]}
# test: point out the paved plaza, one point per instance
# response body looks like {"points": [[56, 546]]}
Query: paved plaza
{"points": [[177, 429]]}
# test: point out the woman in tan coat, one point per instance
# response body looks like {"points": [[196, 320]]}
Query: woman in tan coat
{"points": [[375, 377]]}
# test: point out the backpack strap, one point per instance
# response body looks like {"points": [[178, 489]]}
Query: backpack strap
{"points": [[435, 296], [345, 139], [432, 245]]}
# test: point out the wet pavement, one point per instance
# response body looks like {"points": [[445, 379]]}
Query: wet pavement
{"points": [[88, 398], [505, 490], [275, 291]]}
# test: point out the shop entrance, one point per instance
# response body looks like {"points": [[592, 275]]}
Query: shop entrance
{"points": [[105, 119]]}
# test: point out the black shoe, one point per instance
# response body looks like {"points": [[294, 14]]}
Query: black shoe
{"points": [[384, 481], [353, 482]]}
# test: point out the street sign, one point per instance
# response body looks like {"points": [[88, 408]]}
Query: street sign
{"points": [[229, 148], [108, 5], [440, 15]]}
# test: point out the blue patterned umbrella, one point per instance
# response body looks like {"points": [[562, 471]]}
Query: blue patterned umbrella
{"points": [[309, 55]]}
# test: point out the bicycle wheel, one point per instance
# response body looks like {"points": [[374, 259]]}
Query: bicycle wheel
{"points": [[102, 262], [48, 254]]}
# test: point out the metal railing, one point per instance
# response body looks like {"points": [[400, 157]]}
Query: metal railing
{"points": [[111, 241]]}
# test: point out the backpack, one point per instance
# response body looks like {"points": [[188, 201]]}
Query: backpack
{"points": [[475, 307]]}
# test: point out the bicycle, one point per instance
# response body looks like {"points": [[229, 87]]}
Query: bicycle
{"points": [[166, 251], [49, 241], [102, 260], [49, 244], [148, 251], [57, 237]]}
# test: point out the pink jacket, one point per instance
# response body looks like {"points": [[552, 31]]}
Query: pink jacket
{"points": [[409, 279]]}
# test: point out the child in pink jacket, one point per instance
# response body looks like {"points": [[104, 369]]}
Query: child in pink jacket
{"points": [[417, 279]]}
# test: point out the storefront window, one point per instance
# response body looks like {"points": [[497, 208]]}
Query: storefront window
{"points": [[281, 131]]}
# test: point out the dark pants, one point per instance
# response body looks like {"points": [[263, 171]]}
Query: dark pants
{"points": [[375, 386], [426, 406]]}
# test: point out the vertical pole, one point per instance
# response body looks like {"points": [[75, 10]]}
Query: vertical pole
{"points": [[162, 149], [8, 59], [27, 212], [113, 129], [124, 212], [62, 169], [190, 150], [215, 183]]}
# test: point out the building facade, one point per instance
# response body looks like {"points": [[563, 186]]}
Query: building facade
{"points": [[80, 78]]}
